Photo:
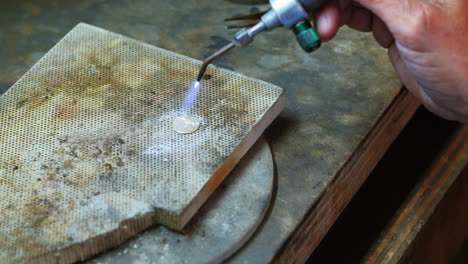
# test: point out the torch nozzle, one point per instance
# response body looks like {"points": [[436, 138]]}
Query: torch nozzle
{"points": [[213, 57]]}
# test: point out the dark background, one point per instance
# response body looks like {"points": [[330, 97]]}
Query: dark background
{"points": [[385, 190]]}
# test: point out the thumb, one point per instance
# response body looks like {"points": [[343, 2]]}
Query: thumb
{"points": [[328, 20]]}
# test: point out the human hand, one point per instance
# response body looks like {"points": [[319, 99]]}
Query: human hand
{"points": [[427, 43]]}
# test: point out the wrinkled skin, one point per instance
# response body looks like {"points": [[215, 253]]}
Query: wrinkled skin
{"points": [[427, 43]]}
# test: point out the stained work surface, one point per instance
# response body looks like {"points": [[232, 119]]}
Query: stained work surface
{"points": [[335, 95], [87, 140], [226, 220]]}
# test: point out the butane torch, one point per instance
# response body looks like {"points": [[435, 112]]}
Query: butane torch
{"points": [[291, 14]]}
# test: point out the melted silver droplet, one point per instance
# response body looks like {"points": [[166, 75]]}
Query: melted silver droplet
{"points": [[186, 124]]}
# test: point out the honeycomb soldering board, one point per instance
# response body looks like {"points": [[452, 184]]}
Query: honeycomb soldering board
{"points": [[88, 153]]}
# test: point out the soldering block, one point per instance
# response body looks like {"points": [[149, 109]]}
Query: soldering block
{"points": [[89, 156]]}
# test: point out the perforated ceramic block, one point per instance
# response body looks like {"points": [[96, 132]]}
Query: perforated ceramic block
{"points": [[88, 153]]}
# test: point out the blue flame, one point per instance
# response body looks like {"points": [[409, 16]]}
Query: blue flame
{"points": [[190, 98]]}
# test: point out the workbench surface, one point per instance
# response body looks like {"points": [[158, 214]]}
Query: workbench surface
{"points": [[337, 96]]}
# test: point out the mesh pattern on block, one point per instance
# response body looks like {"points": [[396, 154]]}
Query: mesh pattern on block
{"points": [[86, 139]]}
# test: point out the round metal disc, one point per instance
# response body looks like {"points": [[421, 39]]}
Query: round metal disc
{"points": [[186, 124], [222, 226]]}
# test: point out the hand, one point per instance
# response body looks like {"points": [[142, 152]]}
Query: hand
{"points": [[427, 43]]}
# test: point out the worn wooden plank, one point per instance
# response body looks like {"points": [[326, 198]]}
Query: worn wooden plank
{"points": [[446, 231], [398, 238], [89, 152], [348, 180]]}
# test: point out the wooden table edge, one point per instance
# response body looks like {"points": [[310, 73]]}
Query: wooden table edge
{"points": [[348, 180], [397, 237]]}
